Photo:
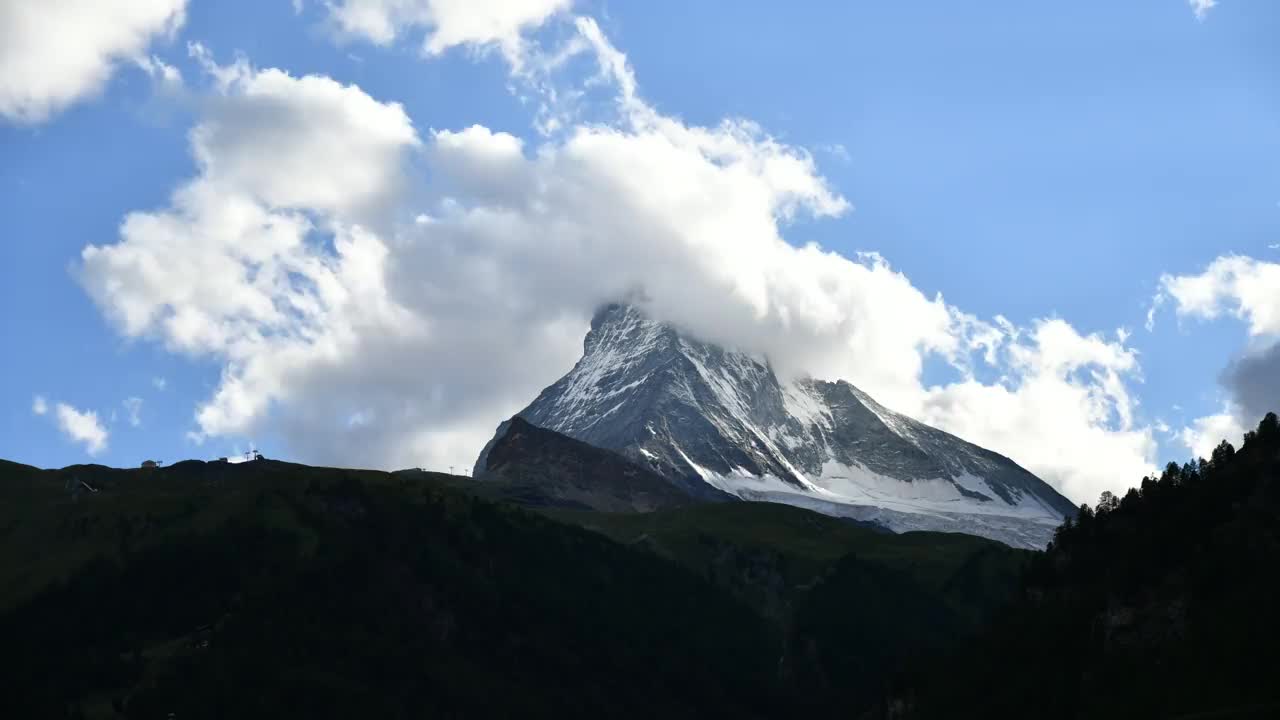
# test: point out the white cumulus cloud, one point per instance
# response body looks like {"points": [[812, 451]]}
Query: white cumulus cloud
{"points": [[1205, 433], [55, 52], [39, 405], [82, 426], [1063, 410], [333, 285], [447, 23], [1244, 287], [1248, 290]]}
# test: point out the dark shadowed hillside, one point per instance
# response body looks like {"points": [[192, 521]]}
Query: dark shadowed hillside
{"points": [[271, 590], [768, 553], [275, 590]]}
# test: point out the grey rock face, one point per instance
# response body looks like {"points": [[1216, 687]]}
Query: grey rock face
{"points": [[533, 466], [712, 420]]}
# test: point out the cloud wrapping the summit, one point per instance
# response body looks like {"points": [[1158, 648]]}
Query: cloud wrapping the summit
{"points": [[373, 318]]}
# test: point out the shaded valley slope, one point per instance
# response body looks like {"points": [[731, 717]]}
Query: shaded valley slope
{"points": [[269, 589]]}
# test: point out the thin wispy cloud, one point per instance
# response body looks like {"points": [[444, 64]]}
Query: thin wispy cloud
{"points": [[133, 408], [1202, 7], [836, 150]]}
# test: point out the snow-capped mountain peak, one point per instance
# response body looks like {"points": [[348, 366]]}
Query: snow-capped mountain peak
{"points": [[713, 420]]}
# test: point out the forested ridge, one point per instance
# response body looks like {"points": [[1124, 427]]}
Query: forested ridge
{"points": [[204, 590], [207, 590], [1160, 603]]}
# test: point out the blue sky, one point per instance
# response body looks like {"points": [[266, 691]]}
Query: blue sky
{"points": [[1033, 162]]}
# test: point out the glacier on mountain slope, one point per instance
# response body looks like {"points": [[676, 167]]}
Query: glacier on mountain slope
{"points": [[714, 421]]}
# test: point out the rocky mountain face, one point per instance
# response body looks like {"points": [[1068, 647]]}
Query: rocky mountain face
{"points": [[713, 421], [536, 467]]}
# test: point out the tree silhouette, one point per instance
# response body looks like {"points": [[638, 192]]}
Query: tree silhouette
{"points": [[1108, 502]]}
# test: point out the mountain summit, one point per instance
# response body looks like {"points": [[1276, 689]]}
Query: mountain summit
{"points": [[713, 420]]}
